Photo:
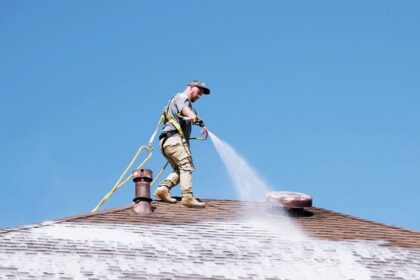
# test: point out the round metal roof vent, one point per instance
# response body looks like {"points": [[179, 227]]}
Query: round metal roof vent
{"points": [[289, 199], [143, 174]]}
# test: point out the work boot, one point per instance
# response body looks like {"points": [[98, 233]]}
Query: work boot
{"points": [[188, 200], [163, 193]]}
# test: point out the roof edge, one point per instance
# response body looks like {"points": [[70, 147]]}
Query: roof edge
{"points": [[90, 214], [366, 220], [122, 208], [62, 220]]}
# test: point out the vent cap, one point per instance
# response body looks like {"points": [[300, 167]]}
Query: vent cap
{"points": [[289, 199]]}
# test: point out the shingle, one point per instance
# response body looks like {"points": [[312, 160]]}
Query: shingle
{"points": [[218, 242]]}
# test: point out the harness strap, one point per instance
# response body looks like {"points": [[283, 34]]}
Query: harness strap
{"points": [[161, 146], [168, 118]]}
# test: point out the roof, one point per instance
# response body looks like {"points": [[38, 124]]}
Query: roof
{"points": [[227, 240]]}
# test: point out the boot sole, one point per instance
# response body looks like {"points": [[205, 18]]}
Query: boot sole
{"points": [[164, 200], [192, 206]]}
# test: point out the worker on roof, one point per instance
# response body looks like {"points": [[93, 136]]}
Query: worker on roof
{"points": [[175, 146]]}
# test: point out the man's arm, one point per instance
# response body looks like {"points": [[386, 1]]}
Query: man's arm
{"points": [[186, 111]]}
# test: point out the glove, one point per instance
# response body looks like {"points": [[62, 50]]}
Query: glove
{"points": [[200, 123]]}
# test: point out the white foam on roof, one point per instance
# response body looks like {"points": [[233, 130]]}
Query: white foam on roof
{"points": [[208, 249], [62, 231]]}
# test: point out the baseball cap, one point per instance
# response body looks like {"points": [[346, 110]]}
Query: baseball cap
{"points": [[200, 84]]}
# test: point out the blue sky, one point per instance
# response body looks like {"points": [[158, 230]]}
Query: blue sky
{"points": [[321, 97]]}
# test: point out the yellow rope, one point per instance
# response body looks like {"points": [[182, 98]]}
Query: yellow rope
{"points": [[119, 184], [157, 127]]}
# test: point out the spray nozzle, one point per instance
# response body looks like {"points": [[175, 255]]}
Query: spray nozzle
{"points": [[205, 130]]}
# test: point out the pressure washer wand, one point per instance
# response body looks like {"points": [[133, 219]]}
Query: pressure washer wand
{"points": [[200, 123]]}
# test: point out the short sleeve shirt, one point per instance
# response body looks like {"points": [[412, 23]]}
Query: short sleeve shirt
{"points": [[175, 106]]}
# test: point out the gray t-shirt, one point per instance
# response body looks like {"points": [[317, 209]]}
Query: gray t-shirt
{"points": [[175, 107]]}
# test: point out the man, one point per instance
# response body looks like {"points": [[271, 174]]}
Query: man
{"points": [[175, 146]]}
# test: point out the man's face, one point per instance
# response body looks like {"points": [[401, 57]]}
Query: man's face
{"points": [[196, 93]]}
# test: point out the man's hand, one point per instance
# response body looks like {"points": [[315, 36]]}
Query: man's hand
{"points": [[192, 117], [199, 122]]}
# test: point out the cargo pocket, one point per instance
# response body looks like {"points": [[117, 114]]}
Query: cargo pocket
{"points": [[186, 164]]}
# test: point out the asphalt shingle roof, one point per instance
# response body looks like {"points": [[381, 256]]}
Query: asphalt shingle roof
{"points": [[226, 240]]}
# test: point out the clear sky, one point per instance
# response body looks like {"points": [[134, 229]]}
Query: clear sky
{"points": [[321, 97]]}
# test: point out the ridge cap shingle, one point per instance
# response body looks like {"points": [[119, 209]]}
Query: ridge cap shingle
{"points": [[366, 220]]}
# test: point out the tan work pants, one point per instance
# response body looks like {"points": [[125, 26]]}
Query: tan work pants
{"points": [[177, 152]]}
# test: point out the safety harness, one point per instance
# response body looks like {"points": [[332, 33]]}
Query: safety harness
{"points": [[175, 123], [169, 118]]}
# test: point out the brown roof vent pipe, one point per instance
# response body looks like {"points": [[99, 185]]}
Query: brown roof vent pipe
{"points": [[142, 179], [293, 202]]}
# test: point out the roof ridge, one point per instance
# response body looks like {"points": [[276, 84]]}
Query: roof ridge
{"points": [[366, 220], [122, 208], [23, 227], [90, 214], [75, 217], [63, 220]]}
